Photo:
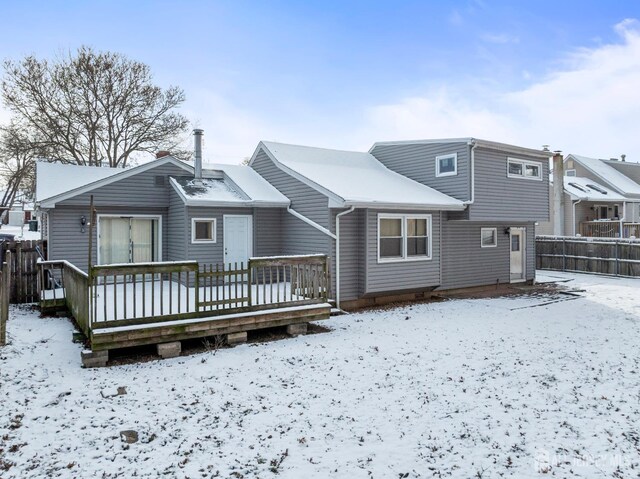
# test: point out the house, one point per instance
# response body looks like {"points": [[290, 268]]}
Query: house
{"points": [[599, 198], [398, 222]]}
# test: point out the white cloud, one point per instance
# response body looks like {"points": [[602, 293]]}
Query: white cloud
{"points": [[591, 107]]}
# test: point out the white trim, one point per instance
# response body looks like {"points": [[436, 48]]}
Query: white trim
{"points": [[404, 218], [455, 165], [566, 173], [311, 222], [524, 164], [124, 215], [249, 233], [495, 238], [51, 201], [214, 230], [523, 252]]}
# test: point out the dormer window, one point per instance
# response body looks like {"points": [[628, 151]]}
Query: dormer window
{"points": [[528, 170], [447, 165]]}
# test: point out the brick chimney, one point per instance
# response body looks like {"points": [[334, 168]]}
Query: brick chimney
{"points": [[162, 154]]}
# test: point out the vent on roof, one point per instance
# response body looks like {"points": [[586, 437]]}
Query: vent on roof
{"points": [[579, 187], [598, 189], [159, 180]]}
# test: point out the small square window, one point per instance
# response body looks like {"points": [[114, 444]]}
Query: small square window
{"points": [[488, 237], [203, 230], [447, 165], [515, 169]]}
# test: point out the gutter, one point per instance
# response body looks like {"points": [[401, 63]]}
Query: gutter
{"points": [[335, 237], [474, 144], [573, 218]]}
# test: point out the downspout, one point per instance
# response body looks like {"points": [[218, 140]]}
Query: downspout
{"points": [[474, 145], [573, 214], [623, 219], [337, 238]]}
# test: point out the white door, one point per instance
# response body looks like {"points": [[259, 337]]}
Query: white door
{"points": [[517, 245], [238, 240]]}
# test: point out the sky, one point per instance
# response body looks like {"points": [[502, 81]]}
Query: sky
{"points": [[344, 74]]}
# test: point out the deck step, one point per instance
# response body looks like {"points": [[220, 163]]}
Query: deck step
{"points": [[337, 312]]}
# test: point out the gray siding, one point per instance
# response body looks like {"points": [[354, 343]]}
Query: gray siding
{"points": [[499, 198], [465, 263], [139, 190], [418, 162], [66, 242], [210, 253], [352, 254], [404, 275], [176, 228], [267, 231], [304, 199]]}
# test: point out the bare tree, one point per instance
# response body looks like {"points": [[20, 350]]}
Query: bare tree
{"points": [[18, 154], [92, 108]]}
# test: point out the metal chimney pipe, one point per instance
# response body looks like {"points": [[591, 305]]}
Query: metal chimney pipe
{"points": [[197, 140], [558, 194]]}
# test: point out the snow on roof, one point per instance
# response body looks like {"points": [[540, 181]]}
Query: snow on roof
{"points": [[619, 181], [355, 178], [209, 189], [237, 185], [251, 183], [587, 189], [53, 179]]}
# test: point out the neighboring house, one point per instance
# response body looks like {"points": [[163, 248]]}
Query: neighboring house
{"points": [[409, 217], [600, 198]]}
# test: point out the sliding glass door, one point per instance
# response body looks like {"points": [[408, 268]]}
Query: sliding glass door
{"points": [[128, 240]]}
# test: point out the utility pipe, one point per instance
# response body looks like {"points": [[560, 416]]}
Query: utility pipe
{"points": [[474, 145]]}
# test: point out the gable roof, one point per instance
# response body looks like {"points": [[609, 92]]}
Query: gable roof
{"points": [[228, 185], [587, 189], [622, 183], [57, 182], [493, 145], [351, 178]]}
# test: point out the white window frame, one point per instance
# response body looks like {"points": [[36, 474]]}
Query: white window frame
{"points": [[455, 165], [204, 241], [495, 236], [524, 164], [571, 173], [404, 218], [158, 218]]}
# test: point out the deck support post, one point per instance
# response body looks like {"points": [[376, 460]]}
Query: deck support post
{"points": [[236, 338], [297, 329], [94, 359], [169, 350]]}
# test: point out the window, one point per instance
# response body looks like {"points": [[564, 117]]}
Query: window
{"points": [[570, 173], [529, 170], [447, 165], [203, 230], [616, 211], [404, 238], [488, 237]]}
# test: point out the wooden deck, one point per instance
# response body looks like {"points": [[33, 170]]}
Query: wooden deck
{"points": [[120, 306]]}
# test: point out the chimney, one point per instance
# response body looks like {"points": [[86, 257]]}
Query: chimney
{"points": [[558, 194], [162, 154], [623, 157], [197, 141]]}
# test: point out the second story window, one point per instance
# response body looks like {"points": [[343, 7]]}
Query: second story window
{"points": [[447, 165], [529, 170]]}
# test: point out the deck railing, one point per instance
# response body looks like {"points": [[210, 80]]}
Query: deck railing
{"points": [[129, 294], [609, 229]]}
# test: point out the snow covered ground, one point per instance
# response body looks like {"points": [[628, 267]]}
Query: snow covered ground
{"points": [[21, 232], [527, 386]]}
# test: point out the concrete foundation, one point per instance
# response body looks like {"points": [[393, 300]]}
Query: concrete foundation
{"points": [[297, 329], [94, 359], [169, 350], [236, 338]]}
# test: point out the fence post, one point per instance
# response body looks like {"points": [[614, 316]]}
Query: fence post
{"points": [[617, 250], [5, 292], [564, 254], [18, 276]]}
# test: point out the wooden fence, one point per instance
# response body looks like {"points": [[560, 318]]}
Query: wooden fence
{"points": [[609, 229], [23, 268], [132, 294], [614, 256], [5, 287]]}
